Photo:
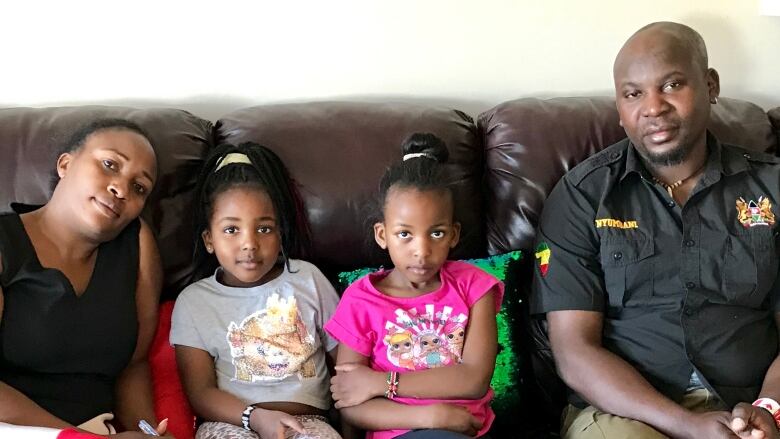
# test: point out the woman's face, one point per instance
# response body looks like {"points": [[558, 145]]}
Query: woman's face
{"points": [[106, 182]]}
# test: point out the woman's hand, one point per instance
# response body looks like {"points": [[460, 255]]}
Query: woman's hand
{"points": [[270, 424], [355, 384]]}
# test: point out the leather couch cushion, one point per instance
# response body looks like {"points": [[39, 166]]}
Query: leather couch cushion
{"points": [[30, 140], [338, 152], [774, 117]]}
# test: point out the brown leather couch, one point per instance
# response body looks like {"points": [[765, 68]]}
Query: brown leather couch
{"points": [[502, 167]]}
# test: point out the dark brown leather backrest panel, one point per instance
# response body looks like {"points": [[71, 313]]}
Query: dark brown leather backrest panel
{"points": [[30, 140], [531, 143], [338, 152], [774, 117]]}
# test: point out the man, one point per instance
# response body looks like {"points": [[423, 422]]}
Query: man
{"points": [[661, 263]]}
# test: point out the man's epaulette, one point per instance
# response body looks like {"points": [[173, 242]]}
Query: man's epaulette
{"points": [[605, 157], [763, 157]]}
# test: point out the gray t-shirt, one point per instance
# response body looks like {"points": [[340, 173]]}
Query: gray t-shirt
{"points": [[267, 341]]}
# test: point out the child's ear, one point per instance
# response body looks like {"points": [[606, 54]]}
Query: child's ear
{"points": [[455, 234], [63, 162], [379, 235], [206, 235]]}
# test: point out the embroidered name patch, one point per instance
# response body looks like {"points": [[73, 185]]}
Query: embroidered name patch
{"points": [[752, 213], [617, 224]]}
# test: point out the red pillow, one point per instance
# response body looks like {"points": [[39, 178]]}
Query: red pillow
{"points": [[169, 398]]}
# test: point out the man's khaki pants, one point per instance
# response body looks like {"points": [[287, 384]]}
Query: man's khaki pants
{"points": [[591, 423]]}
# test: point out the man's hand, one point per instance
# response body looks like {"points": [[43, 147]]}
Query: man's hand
{"points": [[454, 418], [748, 421], [710, 425], [355, 384], [270, 424]]}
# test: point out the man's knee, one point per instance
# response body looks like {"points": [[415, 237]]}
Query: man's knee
{"points": [[590, 423]]}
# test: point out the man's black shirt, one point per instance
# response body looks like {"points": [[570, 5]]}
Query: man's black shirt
{"points": [[681, 287]]}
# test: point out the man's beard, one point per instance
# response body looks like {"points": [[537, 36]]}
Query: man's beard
{"points": [[672, 157]]}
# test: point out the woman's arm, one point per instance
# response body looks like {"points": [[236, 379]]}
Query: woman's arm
{"points": [[134, 387], [383, 414], [468, 380], [15, 407]]}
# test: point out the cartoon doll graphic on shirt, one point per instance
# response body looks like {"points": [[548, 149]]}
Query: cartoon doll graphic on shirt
{"points": [[272, 344], [424, 340], [399, 349], [455, 336]]}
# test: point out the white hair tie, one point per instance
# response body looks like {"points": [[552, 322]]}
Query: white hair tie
{"points": [[233, 157], [414, 155]]}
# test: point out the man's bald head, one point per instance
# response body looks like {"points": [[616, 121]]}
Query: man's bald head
{"points": [[666, 35], [664, 89]]}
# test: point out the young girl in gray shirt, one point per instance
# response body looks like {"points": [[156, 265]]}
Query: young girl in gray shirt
{"points": [[249, 339]]}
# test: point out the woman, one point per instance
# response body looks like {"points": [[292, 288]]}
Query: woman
{"points": [[79, 285]]}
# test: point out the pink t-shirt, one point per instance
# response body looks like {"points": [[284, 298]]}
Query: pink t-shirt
{"points": [[404, 334]]}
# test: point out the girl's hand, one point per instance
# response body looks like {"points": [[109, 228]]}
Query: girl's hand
{"points": [[355, 384], [454, 418], [270, 424]]}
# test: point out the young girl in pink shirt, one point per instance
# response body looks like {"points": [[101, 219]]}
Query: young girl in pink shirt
{"points": [[418, 342]]}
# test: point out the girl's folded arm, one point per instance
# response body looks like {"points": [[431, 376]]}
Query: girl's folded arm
{"points": [[469, 379], [379, 413]]}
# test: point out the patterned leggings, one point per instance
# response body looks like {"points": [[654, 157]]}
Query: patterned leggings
{"points": [[317, 427]]}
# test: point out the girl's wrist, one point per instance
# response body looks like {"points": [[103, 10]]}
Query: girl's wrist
{"points": [[380, 378], [256, 418]]}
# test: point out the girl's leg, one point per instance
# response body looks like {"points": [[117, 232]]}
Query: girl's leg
{"points": [[223, 430]]}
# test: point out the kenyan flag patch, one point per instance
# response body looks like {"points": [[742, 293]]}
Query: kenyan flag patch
{"points": [[543, 257]]}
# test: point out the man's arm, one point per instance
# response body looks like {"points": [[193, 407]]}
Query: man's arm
{"points": [[746, 417], [610, 384]]}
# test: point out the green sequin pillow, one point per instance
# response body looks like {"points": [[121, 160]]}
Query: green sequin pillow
{"points": [[506, 377]]}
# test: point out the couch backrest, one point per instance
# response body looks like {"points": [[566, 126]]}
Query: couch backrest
{"points": [[530, 143], [338, 152], [774, 117], [30, 140]]}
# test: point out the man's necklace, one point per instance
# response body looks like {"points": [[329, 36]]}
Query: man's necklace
{"points": [[671, 187]]}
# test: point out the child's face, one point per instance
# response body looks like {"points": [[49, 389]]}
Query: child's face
{"points": [[419, 232], [243, 234], [107, 180]]}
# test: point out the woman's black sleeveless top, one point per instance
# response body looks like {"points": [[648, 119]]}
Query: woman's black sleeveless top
{"points": [[64, 351]]}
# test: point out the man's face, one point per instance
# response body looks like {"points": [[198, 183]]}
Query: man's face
{"points": [[663, 97]]}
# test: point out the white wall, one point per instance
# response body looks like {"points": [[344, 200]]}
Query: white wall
{"points": [[213, 57]]}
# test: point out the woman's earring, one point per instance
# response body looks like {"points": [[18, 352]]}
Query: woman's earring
{"points": [[210, 249], [714, 100]]}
